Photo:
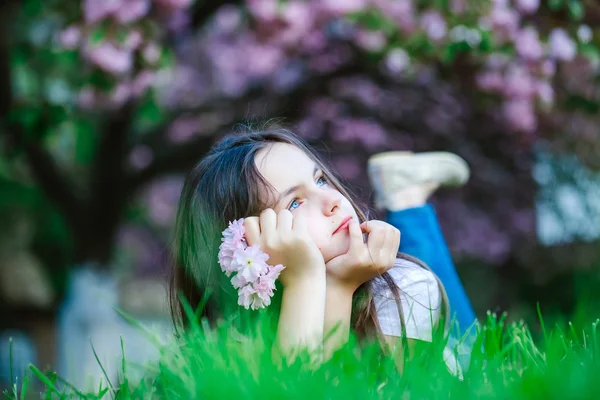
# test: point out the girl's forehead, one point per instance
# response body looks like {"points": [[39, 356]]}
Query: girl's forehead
{"points": [[284, 165]]}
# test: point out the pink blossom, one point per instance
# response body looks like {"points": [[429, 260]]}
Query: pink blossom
{"points": [[521, 115], [228, 18], [370, 40], [545, 92], [527, 6], [585, 33], [235, 231], [298, 18], [528, 44], [504, 21], [265, 10], [133, 40], [183, 129], [70, 37], [490, 81], [368, 133], [263, 60], [174, 4], [562, 47], [132, 10], [548, 68], [87, 98], [110, 58], [161, 199], [226, 253], [119, 95], [238, 281], [141, 156], [263, 292], [151, 53], [250, 262], [273, 274], [142, 82], [434, 25], [458, 6], [518, 82], [246, 297], [337, 7], [94, 10], [401, 11], [397, 60]]}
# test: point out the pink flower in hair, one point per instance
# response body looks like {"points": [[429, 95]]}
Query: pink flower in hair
{"points": [[251, 263], [245, 296], [254, 278]]}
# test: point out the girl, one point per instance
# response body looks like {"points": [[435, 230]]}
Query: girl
{"points": [[297, 212]]}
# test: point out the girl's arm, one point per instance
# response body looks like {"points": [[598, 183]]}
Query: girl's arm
{"points": [[338, 310], [301, 315]]}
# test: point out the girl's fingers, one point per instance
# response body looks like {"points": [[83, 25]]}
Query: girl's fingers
{"points": [[356, 238], [285, 220], [377, 240], [252, 227], [268, 225]]}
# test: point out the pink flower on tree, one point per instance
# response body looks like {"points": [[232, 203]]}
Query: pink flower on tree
{"points": [[434, 25], [264, 10], [528, 6], [110, 58], [95, 11], [504, 20], [490, 81], [70, 38], [132, 10], [337, 7], [371, 40], [528, 44], [562, 47], [521, 115], [174, 4], [545, 92], [518, 83]]}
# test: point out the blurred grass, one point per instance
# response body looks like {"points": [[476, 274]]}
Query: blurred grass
{"points": [[213, 363]]}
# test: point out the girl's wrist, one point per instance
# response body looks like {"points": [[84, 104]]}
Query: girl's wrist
{"points": [[307, 278], [340, 288]]}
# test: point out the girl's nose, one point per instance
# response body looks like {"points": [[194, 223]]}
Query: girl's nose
{"points": [[331, 202]]}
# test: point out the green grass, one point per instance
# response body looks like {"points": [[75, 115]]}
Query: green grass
{"points": [[506, 363]]}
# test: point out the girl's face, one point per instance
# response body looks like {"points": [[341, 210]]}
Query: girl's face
{"points": [[304, 190]]}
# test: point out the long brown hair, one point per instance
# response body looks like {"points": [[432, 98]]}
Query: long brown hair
{"points": [[225, 186]]}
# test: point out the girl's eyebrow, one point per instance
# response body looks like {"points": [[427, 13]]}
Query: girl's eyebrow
{"points": [[294, 188]]}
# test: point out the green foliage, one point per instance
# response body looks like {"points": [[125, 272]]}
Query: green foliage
{"points": [[215, 362]]}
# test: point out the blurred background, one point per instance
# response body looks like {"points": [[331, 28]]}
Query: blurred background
{"points": [[105, 104]]}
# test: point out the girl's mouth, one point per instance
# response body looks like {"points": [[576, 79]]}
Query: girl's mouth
{"points": [[345, 223]]}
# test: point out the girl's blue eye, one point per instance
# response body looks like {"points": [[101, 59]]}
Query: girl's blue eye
{"points": [[295, 204]]}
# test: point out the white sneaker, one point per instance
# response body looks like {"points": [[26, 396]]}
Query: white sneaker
{"points": [[393, 171]]}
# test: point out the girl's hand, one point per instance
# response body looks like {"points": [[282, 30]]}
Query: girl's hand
{"points": [[365, 261], [286, 240]]}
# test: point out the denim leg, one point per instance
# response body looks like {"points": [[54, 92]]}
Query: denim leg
{"points": [[422, 238]]}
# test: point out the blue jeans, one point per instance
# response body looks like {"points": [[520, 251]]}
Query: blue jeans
{"points": [[422, 238]]}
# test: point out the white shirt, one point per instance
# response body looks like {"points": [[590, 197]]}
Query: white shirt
{"points": [[420, 297], [421, 300]]}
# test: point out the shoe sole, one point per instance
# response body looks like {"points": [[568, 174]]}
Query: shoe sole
{"points": [[454, 163]]}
